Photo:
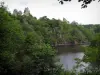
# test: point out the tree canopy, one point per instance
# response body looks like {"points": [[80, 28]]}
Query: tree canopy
{"points": [[27, 44]]}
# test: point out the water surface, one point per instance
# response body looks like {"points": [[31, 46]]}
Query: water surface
{"points": [[67, 55]]}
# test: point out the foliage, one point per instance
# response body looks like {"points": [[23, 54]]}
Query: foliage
{"points": [[26, 42], [84, 4], [92, 57]]}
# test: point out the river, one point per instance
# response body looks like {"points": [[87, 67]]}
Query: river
{"points": [[67, 55]]}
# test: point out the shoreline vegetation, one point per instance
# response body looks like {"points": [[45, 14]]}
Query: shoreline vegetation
{"points": [[25, 43]]}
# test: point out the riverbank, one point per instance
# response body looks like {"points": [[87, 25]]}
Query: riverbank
{"points": [[72, 44], [70, 48]]}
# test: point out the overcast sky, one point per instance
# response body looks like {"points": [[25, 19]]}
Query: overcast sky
{"points": [[51, 8]]}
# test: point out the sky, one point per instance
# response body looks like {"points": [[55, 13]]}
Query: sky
{"points": [[52, 9]]}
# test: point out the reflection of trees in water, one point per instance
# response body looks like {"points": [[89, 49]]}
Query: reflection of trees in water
{"points": [[67, 59]]}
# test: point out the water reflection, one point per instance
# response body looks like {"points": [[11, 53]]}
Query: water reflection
{"points": [[68, 59], [67, 55]]}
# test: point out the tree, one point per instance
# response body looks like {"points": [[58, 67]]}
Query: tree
{"points": [[92, 57], [25, 42], [11, 39]]}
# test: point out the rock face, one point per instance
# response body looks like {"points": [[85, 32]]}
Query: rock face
{"points": [[26, 11], [16, 12]]}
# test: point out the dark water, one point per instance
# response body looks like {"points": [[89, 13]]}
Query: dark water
{"points": [[67, 55]]}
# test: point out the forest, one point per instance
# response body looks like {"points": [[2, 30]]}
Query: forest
{"points": [[27, 44]]}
